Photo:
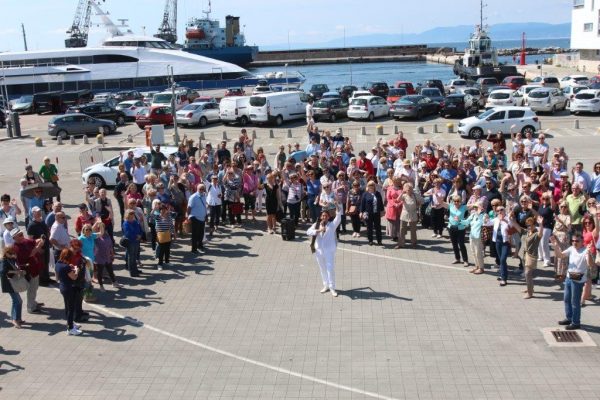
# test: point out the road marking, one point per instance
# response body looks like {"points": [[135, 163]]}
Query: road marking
{"points": [[225, 353], [403, 259]]}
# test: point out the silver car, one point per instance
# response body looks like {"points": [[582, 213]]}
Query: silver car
{"points": [[547, 100], [79, 124]]}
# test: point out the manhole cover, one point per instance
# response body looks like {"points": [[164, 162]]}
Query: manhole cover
{"points": [[566, 336]]}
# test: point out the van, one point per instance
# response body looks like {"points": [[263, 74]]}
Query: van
{"points": [[235, 109], [164, 99], [278, 107]]}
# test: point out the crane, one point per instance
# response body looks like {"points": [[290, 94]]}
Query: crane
{"points": [[78, 32], [168, 28]]}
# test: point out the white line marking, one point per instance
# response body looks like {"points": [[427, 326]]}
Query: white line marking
{"points": [[241, 358], [403, 259]]}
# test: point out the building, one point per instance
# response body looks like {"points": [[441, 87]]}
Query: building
{"points": [[585, 34]]}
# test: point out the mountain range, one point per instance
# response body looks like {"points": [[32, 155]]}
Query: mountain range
{"points": [[451, 34]]}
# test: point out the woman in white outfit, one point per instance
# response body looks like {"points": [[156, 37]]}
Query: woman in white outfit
{"points": [[325, 246]]}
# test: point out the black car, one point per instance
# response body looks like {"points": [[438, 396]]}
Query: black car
{"points": [[346, 91], [330, 109], [434, 83], [317, 90], [100, 111], [380, 89], [458, 105], [125, 95]]}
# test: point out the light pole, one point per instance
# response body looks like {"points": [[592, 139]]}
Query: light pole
{"points": [[286, 76], [173, 104], [350, 62]]}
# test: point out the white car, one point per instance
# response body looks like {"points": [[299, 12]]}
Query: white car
{"points": [[359, 93], [571, 80], [105, 173], [198, 114], [368, 107], [524, 92], [547, 100], [499, 119], [503, 97], [130, 108], [262, 90], [587, 100], [455, 85], [473, 92], [571, 91], [546, 81]]}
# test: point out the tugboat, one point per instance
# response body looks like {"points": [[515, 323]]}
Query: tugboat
{"points": [[205, 37], [481, 58]]}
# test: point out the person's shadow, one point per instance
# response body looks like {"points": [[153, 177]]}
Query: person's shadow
{"points": [[367, 293], [13, 367]]}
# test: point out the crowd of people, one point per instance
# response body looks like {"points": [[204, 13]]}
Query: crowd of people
{"points": [[511, 206]]}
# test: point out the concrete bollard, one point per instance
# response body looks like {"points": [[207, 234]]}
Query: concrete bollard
{"points": [[271, 134], [202, 136], [38, 142], [100, 138], [86, 140], [129, 139], [435, 128], [363, 130], [289, 134], [450, 127], [254, 134], [72, 139], [420, 129], [380, 130], [224, 135], [59, 140], [576, 124], [396, 129]]}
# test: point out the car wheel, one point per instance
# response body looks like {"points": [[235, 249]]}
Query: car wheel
{"points": [[202, 122], [120, 120], [371, 117], [62, 134], [244, 121], [528, 129], [97, 180], [419, 114], [332, 118], [105, 130], [476, 133], [279, 120]]}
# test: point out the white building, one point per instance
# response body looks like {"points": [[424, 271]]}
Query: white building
{"points": [[585, 34]]}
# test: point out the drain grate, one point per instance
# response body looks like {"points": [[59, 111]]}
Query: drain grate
{"points": [[566, 337]]}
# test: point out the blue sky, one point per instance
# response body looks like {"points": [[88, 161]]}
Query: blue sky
{"points": [[269, 22]]}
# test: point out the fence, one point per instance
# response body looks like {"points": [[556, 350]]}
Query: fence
{"points": [[90, 157]]}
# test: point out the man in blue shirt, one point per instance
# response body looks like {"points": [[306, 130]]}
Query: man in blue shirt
{"points": [[196, 214]]}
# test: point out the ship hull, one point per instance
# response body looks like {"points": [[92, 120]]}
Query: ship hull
{"points": [[473, 73], [240, 55]]}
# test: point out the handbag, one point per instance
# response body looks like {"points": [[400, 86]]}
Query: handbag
{"points": [[236, 208], [575, 276], [124, 242], [163, 237], [19, 283], [54, 178]]}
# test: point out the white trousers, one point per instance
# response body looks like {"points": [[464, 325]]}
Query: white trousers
{"points": [[326, 261], [544, 247], [32, 293]]}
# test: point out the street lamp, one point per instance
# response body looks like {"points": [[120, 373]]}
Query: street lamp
{"points": [[286, 75], [350, 62], [173, 104]]}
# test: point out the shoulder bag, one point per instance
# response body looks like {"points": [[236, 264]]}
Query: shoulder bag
{"points": [[18, 282]]}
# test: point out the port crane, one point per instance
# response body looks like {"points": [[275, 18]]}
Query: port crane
{"points": [[168, 28], [79, 30]]}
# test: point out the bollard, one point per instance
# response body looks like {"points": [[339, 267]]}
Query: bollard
{"points": [[576, 124], [450, 127], [289, 135], [59, 140], [86, 140], [202, 137], [396, 130], [363, 130], [435, 128], [380, 130], [38, 142], [72, 138], [420, 129], [224, 135], [100, 138], [271, 134], [254, 134], [129, 139]]}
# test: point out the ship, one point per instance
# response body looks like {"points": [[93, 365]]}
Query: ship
{"points": [[205, 37], [480, 59]]}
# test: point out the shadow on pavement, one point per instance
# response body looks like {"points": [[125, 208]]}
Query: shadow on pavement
{"points": [[13, 367], [366, 293]]}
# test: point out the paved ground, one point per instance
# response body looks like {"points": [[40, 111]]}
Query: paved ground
{"points": [[247, 320]]}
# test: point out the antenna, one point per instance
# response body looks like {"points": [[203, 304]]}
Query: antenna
{"points": [[481, 17], [208, 11]]}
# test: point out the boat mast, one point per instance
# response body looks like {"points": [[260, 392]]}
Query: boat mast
{"points": [[24, 36], [207, 12]]}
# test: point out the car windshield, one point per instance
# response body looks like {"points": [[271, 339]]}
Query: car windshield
{"points": [[460, 82], [192, 107], [578, 89], [580, 79], [584, 96], [455, 100], [408, 100], [529, 89], [539, 94], [359, 102], [25, 99], [258, 101], [499, 96], [430, 92], [321, 104], [486, 114], [397, 92], [318, 87], [162, 98]]}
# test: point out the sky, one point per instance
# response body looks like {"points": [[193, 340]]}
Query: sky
{"points": [[272, 22]]}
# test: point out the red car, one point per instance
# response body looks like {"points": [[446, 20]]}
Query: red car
{"points": [[234, 91], [514, 82], [154, 116], [408, 86], [396, 94]]}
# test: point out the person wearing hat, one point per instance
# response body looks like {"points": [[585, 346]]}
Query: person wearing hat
{"points": [[8, 225], [371, 210], [489, 159], [310, 114], [476, 198], [9, 270]]}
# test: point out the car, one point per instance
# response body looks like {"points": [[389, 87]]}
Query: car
{"points": [[79, 124], [157, 115], [410, 89], [484, 84], [546, 81], [105, 173], [359, 93], [130, 108], [199, 114], [524, 92], [331, 95], [433, 93], [260, 89], [330, 109], [317, 90], [572, 80], [23, 105], [380, 89], [458, 105], [455, 85], [503, 97], [346, 91], [165, 98], [368, 107], [475, 93], [547, 100], [396, 94], [235, 109], [414, 105], [103, 97], [571, 91], [101, 111], [499, 119], [206, 99], [587, 100], [235, 91], [147, 99], [125, 95], [433, 83], [514, 82]]}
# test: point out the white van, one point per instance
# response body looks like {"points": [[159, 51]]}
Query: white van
{"points": [[235, 109], [164, 99], [278, 107]]}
